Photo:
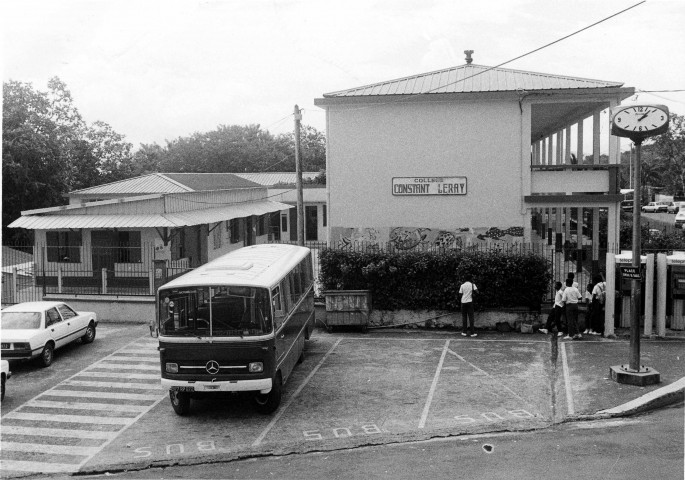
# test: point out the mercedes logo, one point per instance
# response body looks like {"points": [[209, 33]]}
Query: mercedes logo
{"points": [[212, 367]]}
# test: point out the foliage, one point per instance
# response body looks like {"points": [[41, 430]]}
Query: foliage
{"points": [[663, 241], [431, 280], [237, 148], [49, 150]]}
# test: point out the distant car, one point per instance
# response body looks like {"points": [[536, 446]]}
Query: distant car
{"points": [[655, 207], [6, 374], [680, 219], [674, 207], [627, 205], [36, 329]]}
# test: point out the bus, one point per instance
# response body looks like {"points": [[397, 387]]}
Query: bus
{"points": [[236, 324]]}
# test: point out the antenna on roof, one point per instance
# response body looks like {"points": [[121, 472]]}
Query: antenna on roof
{"points": [[468, 56]]}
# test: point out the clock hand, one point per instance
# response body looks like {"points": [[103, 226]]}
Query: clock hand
{"points": [[643, 116]]}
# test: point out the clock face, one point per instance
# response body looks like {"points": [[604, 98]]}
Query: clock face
{"points": [[640, 119]]}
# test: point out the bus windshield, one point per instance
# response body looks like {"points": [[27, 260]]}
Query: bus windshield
{"points": [[221, 311]]}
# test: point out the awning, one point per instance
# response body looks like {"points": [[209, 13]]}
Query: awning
{"points": [[177, 219]]}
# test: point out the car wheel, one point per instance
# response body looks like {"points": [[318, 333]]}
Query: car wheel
{"points": [[269, 402], [180, 401], [47, 355], [89, 336]]}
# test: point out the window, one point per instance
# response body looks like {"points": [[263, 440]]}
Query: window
{"points": [[51, 317], [311, 223], [284, 223], [66, 312], [129, 247], [261, 225], [235, 230], [64, 247], [216, 233], [324, 215], [178, 241]]}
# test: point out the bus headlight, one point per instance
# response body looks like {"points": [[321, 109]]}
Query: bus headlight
{"points": [[172, 367], [256, 367]]}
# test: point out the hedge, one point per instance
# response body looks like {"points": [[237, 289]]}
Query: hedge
{"points": [[430, 280]]}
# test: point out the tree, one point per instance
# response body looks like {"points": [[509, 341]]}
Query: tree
{"points": [[49, 150], [669, 148]]}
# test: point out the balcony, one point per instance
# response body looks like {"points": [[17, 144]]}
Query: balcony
{"points": [[574, 183]]}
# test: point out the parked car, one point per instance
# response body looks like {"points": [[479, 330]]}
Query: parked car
{"points": [[36, 329], [6, 374], [680, 219], [655, 207], [674, 207]]}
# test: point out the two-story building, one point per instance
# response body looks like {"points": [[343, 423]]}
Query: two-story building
{"points": [[472, 154]]}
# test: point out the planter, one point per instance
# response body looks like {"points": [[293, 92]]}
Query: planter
{"points": [[347, 308]]}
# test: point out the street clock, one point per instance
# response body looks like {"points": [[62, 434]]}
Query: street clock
{"points": [[638, 122]]}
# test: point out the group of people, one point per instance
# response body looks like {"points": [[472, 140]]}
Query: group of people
{"points": [[566, 303]]}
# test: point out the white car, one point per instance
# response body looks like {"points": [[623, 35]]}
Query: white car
{"points": [[6, 374], [680, 219], [37, 329], [655, 207]]}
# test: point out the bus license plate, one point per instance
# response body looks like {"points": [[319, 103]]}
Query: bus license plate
{"points": [[183, 389]]}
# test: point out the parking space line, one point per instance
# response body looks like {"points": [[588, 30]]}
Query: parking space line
{"points": [[488, 375], [567, 380], [282, 410], [431, 392]]}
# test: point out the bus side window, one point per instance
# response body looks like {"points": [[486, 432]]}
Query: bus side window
{"points": [[277, 302]]}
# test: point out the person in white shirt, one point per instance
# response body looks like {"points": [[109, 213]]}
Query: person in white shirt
{"points": [[466, 291], [570, 299], [557, 311]]}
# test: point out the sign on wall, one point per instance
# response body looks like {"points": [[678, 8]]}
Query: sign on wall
{"points": [[429, 186]]}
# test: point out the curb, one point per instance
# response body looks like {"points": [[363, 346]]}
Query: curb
{"points": [[672, 393]]}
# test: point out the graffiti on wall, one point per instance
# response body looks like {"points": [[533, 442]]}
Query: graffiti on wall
{"points": [[409, 238]]}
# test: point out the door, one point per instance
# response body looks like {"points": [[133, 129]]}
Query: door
{"points": [[102, 252], [57, 328], [311, 223]]}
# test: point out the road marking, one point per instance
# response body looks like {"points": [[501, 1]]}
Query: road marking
{"points": [[118, 366], [137, 376], [49, 449], [282, 410], [86, 406], [22, 440], [567, 381], [488, 375], [431, 392]]}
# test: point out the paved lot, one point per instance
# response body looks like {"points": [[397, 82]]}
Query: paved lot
{"points": [[352, 389]]}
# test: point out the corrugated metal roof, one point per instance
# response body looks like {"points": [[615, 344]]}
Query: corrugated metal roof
{"points": [[180, 219], [472, 79], [272, 178], [168, 183]]}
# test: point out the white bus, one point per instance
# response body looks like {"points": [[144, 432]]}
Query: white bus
{"points": [[236, 324]]}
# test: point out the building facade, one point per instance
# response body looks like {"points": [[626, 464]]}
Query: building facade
{"points": [[471, 155]]}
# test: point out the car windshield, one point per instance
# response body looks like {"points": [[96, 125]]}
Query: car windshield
{"points": [[214, 311], [20, 320]]}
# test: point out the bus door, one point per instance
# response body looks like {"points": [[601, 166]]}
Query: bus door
{"points": [[286, 334]]}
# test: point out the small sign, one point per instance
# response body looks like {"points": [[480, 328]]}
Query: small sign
{"points": [[632, 273], [429, 186]]}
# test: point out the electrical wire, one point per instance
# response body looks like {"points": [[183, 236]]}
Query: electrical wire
{"points": [[404, 98]]}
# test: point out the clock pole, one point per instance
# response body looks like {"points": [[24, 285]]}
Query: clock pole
{"points": [[637, 122], [635, 294]]}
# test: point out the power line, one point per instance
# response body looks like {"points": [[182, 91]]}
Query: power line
{"points": [[403, 98]]}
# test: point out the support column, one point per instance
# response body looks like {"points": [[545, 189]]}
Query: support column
{"points": [[550, 150], [649, 294], [567, 145], [579, 142], [613, 228], [595, 138], [543, 151], [560, 158], [610, 303], [595, 241], [661, 269]]}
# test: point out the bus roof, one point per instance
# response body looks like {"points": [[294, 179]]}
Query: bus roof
{"points": [[254, 266]]}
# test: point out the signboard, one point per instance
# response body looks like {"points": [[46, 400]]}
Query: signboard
{"points": [[632, 273], [429, 186]]}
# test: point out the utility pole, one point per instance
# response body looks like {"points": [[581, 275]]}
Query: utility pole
{"points": [[298, 177]]}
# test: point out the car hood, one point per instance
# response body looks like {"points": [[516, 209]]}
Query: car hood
{"points": [[19, 335]]}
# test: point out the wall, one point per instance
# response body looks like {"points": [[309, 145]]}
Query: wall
{"points": [[368, 145], [112, 309]]}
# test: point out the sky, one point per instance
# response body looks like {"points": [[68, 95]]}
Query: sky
{"points": [[159, 70]]}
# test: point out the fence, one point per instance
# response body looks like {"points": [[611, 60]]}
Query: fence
{"points": [[29, 272]]}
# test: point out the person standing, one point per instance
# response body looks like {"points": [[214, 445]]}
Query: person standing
{"points": [[589, 305], [570, 298], [598, 300], [557, 311], [466, 291]]}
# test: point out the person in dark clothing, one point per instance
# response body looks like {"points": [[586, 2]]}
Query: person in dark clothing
{"points": [[556, 313]]}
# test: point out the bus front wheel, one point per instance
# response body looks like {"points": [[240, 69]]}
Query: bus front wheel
{"points": [[269, 402], [180, 401]]}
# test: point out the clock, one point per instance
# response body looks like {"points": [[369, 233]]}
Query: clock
{"points": [[639, 121]]}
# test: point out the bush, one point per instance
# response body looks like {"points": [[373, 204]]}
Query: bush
{"points": [[430, 280]]}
